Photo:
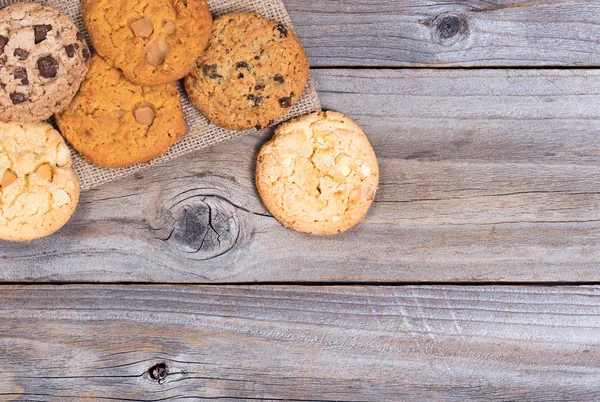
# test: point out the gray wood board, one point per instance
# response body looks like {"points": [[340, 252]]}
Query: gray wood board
{"points": [[487, 175], [447, 33], [315, 343]]}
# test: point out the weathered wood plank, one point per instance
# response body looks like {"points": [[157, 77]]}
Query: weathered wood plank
{"points": [[486, 175], [317, 343], [447, 33]]}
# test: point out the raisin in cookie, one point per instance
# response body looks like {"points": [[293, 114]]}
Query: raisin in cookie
{"points": [[114, 123], [154, 42], [318, 174], [38, 189], [252, 72], [43, 59]]}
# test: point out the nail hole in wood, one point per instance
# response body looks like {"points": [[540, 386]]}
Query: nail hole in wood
{"points": [[158, 372]]}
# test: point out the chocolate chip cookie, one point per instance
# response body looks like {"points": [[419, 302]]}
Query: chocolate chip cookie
{"points": [[318, 174], [114, 123], [38, 189], [154, 42], [250, 75], [43, 59]]}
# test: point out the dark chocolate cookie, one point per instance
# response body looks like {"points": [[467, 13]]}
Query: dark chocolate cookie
{"points": [[43, 59], [252, 73]]}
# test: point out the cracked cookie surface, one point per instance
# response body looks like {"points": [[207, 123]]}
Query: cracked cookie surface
{"points": [[250, 75], [43, 59], [154, 42], [318, 174], [114, 123], [38, 189]]}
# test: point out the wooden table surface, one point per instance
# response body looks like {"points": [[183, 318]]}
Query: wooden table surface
{"points": [[475, 276]]}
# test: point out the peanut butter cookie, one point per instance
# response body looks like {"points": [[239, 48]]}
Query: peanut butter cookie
{"points": [[250, 75], [154, 42], [114, 123], [318, 174], [43, 59], [38, 189]]}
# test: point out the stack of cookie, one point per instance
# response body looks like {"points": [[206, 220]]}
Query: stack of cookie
{"points": [[120, 106], [43, 59], [128, 109]]}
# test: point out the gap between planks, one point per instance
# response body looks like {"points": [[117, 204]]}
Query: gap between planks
{"points": [[315, 284], [450, 68]]}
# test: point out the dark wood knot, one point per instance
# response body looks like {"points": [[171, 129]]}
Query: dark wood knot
{"points": [[201, 226], [158, 372], [449, 28]]}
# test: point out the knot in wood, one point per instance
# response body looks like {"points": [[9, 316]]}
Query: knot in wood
{"points": [[448, 26], [158, 372], [449, 29], [201, 226]]}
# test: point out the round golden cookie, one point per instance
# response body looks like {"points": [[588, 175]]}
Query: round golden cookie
{"points": [[114, 123], [250, 75], [38, 189], [318, 174], [154, 42]]}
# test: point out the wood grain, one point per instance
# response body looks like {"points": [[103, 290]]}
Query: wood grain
{"points": [[315, 343], [448, 33], [488, 175]]}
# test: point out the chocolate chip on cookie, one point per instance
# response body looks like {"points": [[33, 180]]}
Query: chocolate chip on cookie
{"points": [[21, 54], [20, 73], [48, 58], [282, 30], [41, 32], [3, 42], [17, 98], [286, 102], [256, 100], [211, 71], [48, 66], [247, 78], [71, 50]]}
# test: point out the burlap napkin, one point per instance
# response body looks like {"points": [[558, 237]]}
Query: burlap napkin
{"points": [[201, 133]]}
